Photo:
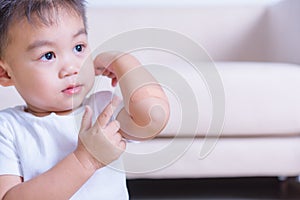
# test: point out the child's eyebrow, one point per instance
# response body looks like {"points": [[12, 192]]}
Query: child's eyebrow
{"points": [[40, 43], [80, 32]]}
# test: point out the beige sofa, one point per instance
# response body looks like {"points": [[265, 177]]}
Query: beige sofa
{"points": [[255, 50]]}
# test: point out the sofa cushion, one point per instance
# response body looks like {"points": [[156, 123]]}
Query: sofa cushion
{"points": [[231, 157], [261, 99]]}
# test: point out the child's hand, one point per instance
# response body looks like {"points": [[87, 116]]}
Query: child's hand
{"points": [[102, 140], [103, 66]]}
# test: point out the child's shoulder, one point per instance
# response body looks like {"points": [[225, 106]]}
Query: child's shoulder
{"points": [[11, 112], [10, 117]]}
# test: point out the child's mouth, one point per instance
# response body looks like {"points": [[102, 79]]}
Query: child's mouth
{"points": [[73, 89]]}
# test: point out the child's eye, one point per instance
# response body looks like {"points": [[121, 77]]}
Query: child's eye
{"points": [[48, 56], [79, 48]]}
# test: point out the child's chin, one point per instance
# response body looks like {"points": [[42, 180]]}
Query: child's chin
{"points": [[75, 104]]}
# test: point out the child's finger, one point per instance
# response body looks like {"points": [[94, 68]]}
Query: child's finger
{"points": [[114, 82], [105, 73], [99, 70], [86, 121], [107, 113], [122, 145], [112, 127]]}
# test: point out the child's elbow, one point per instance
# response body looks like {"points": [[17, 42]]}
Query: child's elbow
{"points": [[159, 116], [148, 123]]}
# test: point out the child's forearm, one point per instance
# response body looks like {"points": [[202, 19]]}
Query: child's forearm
{"points": [[60, 182], [146, 105]]}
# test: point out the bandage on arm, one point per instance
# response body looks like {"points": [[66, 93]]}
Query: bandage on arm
{"points": [[146, 107]]}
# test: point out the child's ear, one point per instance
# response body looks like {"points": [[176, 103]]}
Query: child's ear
{"points": [[5, 79]]}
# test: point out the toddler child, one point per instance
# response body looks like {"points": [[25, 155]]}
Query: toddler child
{"points": [[45, 55]]}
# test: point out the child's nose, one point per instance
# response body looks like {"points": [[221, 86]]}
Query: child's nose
{"points": [[69, 70]]}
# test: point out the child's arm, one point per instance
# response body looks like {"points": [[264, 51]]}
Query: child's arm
{"points": [[60, 182], [65, 178], [146, 107]]}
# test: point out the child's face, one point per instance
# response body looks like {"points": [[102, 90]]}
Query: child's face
{"points": [[50, 66]]}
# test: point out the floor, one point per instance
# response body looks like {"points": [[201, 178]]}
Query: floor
{"points": [[228, 188]]}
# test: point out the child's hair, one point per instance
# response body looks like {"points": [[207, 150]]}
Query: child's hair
{"points": [[42, 10]]}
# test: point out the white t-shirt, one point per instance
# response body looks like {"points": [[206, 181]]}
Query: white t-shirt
{"points": [[31, 145]]}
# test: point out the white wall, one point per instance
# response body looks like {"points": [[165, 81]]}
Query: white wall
{"points": [[234, 33], [175, 2], [284, 31], [226, 32], [9, 97]]}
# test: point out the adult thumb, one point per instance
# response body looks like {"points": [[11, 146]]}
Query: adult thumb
{"points": [[86, 121]]}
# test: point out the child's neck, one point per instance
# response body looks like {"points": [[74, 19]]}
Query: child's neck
{"points": [[39, 113]]}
